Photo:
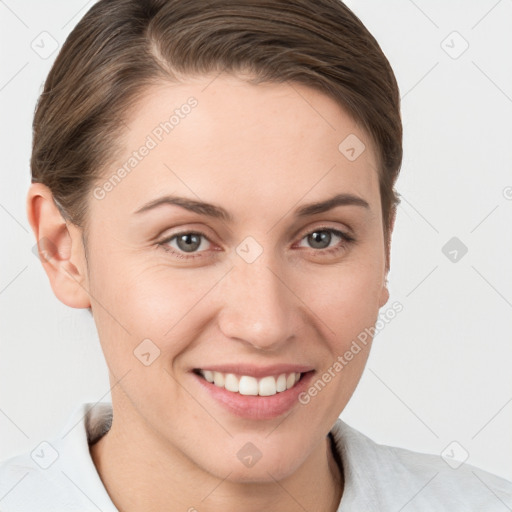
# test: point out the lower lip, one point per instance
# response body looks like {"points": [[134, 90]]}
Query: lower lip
{"points": [[257, 407]]}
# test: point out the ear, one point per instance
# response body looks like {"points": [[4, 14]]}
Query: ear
{"points": [[385, 292], [392, 217], [60, 248]]}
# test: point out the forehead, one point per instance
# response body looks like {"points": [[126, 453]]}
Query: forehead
{"points": [[227, 141]]}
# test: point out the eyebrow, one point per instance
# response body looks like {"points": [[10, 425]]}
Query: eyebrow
{"points": [[218, 212]]}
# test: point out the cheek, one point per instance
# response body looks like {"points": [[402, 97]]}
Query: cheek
{"points": [[348, 304], [346, 298], [159, 303]]}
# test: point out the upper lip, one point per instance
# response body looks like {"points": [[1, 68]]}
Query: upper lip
{"points": [[257, 371]]}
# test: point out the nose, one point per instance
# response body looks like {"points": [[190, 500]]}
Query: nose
{"points": [[259, 306]]}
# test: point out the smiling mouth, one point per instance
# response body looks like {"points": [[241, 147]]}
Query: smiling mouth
{"points": [[248, 385]]}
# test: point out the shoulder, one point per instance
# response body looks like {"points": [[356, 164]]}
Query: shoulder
{"points": [[382, 477], [58, 474], [24, 485]]}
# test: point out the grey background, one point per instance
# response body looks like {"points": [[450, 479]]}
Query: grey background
{"points": [[440, 371]]}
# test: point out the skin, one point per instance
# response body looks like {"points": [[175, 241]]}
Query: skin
{"points": [[259, 152]]}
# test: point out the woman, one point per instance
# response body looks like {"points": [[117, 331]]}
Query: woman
{"points": [[215, 182]]}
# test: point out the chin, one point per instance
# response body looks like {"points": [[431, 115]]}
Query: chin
{"points": [[248, 464]]}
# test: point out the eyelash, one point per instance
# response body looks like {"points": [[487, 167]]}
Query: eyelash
{"points": [[346, 240]]}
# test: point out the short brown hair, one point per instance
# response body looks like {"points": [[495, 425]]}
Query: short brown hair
{"points": [[122, 46]]}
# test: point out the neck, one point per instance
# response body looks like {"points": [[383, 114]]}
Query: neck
{"points": [[141, 472]]}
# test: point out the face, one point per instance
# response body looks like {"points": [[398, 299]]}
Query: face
{"points": [[256, 286]]}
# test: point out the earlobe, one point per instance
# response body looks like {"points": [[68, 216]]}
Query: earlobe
{"points": [[384, 295], [59, 246]]}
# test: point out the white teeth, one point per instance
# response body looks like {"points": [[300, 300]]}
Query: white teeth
{"points": [[231, 383], [267, 386], [218, 379], [281, 383], [208, 375], [247, 385]]}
